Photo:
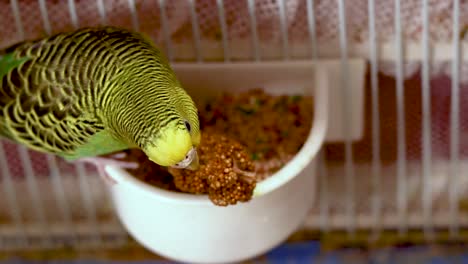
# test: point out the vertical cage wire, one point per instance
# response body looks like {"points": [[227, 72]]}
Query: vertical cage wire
{"points": [[9, 189], [195, 31], [55, 177], [45, 16], [324, 199], [35, 195], [58, 188], [283, 28], [73, 15], [16, 13], [33, 188], [311, 28], [90, 209], [254, 30], [83, 183], [12, 198], [426, 123], [165, 30], [224, 30], [454, 172], [376, 201], [133, 13], [61, 198], [401, 194], [347, 113], [102, 11]]}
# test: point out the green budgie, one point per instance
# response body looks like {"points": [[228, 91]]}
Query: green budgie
{"points": [[93, 92]]}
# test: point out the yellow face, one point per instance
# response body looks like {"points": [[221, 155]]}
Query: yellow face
{"points": [[175, 145]]}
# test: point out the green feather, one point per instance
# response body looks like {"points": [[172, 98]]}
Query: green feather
{"points": [[101, 143], [8, 62]]}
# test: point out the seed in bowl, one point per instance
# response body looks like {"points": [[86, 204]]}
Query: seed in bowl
{"points": [[226, 172], [246, 137]]}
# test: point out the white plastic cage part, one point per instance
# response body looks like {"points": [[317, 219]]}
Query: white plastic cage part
{"points": [[407, 171]]}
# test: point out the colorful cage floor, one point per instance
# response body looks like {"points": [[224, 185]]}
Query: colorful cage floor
{"points": [[291, 252]]}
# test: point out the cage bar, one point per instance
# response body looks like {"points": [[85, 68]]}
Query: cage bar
{"points": [[283, 28], [33, 189], [224, 30], [253, 26], [165, 30], [11, 196], [347, 111], [133, 13], [16, 13], [88, 203], [376, 201], [73, 15], [426, 123], [60, 196], [401, 194], [9, 190], [454, 173], [311, 28], [195, 31], [45, 16], [102, 11], [324, 199], [84, 186]]}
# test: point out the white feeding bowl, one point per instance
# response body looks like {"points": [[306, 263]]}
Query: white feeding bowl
{"points": [[190, 228]]}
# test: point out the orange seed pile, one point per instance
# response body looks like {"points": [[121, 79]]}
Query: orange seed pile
{"points": [[225, 172]]}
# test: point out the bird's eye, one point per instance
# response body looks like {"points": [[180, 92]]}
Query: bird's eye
{"points": [[187, 125]]}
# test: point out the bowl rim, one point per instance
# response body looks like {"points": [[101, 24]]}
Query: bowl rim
{"points": [[294, 167]]}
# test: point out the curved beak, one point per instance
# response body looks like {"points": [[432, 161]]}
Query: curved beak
{"points": [[195, 164]]}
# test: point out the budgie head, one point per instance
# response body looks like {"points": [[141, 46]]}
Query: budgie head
{"points": [[175, 144], [149, 108]]}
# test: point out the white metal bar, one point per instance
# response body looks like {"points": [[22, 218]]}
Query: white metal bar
{"points": [[165, 29], [73, 15], [224, 29], [401, 139], [376, 201], [338, 221], [455, 125], [102, 11], [426, 123], [16, 13], [284, 28], [33, 189], [45, 16], [9, 189], [133, 12], [195, 31], [10, 193], [253, 25], [60, 195], [347, 112], [88, 204], [82, 228], [324, 200], [84, 186], [311, 27]]}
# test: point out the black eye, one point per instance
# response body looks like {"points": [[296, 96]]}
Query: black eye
{"points": [[187, 125]]}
